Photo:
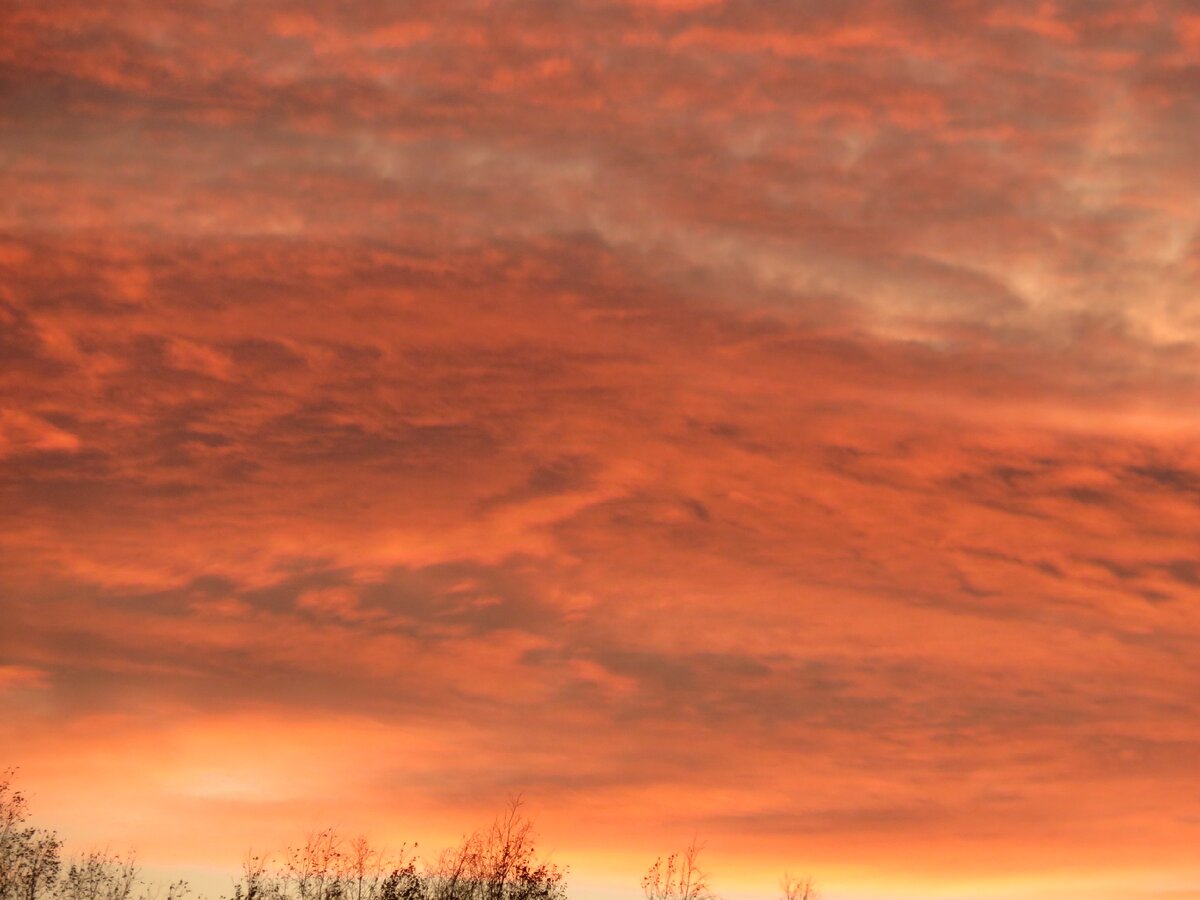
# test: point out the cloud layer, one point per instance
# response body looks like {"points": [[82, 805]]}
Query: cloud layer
{"points": [[774, 422]]}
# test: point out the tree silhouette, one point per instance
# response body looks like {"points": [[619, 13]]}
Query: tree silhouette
{"points": [[792, 888], [497, 863], [328, 867], [29, 857], [31, 866], [100, 875], [678, 877]]}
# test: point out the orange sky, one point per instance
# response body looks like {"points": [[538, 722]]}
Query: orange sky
{"points": [[771, 422]]}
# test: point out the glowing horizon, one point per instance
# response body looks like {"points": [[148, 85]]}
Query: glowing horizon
{"points": [[771, 423]]}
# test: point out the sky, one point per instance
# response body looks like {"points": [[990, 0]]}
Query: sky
{"points": [[772, 423]]}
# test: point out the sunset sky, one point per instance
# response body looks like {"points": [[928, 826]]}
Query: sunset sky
{"points": [[771, 422]]}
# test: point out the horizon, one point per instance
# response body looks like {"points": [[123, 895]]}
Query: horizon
{"points": [[600, 882], [771, 423]]}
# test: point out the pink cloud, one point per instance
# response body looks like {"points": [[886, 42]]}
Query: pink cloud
{"points": [[770, 422]]}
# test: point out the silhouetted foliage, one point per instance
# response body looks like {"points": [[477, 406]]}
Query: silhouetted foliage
{"points": [[99, 875], [678, 877], [792, 888], [31, 866], [499, 862], [403, 884], [29, 857], [327, 867], [496, 863]]}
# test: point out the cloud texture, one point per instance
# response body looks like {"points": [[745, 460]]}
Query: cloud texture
{"points": [[775, 422]]}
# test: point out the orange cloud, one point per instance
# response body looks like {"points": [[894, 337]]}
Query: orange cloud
{"points": [[772, 423]]}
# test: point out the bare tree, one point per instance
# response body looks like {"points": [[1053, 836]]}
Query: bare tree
{"points": [[39, 864], [678, 877], [258, 883], [497, 863], [315, 869], [328, 867], [100, 875], [176, 890], [14, 810], [793, 888], [370, 874], [29, 857]]}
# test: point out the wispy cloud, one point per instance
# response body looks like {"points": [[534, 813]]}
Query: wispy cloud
{"points": [[767, 421]]}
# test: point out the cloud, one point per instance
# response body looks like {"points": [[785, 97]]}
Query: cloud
{"points": [[766, 420]]}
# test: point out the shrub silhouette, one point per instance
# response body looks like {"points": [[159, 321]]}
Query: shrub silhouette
{"points": [[792, 888], [499, 862], [29, 857], [31, 866], [495, 863], [678, 877], [328, 867]]}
